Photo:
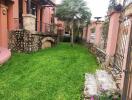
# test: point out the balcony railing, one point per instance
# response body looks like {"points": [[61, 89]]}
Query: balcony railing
{"points": [[49, 28], [45, 27]]}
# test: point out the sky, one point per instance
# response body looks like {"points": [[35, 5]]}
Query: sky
{"points": [[98, 7]]}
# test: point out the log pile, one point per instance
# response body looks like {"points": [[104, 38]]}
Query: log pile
{"points": [[24, 41]]}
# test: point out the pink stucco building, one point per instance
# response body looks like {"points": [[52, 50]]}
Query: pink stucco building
{"points": [[13, 13], [33, 15]]}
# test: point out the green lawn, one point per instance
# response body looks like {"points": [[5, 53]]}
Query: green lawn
{"points": [[51, 74]]}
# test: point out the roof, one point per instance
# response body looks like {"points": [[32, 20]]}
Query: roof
{"points": [[10, 0], [47, 2]]}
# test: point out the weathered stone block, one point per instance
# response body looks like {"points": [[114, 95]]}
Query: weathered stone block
{"points": [[29, 21]]}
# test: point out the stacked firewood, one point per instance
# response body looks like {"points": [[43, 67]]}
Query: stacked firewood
{"points": [[23, 41]]}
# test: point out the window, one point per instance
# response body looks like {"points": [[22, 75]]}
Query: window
{"points": [[32, 9]]}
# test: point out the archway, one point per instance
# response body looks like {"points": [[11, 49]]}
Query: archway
{"points": [[47, 42]]}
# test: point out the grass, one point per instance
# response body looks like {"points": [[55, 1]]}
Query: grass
{"points": [[51, 74]]}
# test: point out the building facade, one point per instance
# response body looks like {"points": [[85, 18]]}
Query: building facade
{"points": [[32, 15]]}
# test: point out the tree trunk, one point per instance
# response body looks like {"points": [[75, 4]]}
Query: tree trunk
{"points": [[72, 37], [72, 34], [78, 26]]}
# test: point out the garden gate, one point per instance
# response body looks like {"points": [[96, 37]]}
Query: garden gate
{"points": [[121, 44], [127, 89]]}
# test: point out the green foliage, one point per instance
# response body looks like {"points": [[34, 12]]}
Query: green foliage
{"points": [[51, 74], [110, 97], [65, 38]]}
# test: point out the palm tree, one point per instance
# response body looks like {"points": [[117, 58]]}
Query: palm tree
{"points": [[74, 13]]}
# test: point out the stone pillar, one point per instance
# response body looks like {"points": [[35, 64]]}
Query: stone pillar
{"points": [[88, 34], [112, 33], [29, 21], [98, 34], [55, 30], [84, 33], [112, 36], [89, 31]]}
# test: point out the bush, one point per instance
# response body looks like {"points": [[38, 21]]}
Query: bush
{"points": [[77, 39], [65, 38]]}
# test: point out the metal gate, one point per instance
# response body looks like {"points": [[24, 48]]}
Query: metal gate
{"points": [[127, 89], [121, 44]]}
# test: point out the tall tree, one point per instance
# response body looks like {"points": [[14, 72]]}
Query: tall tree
{"points": [[74, 13]]}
